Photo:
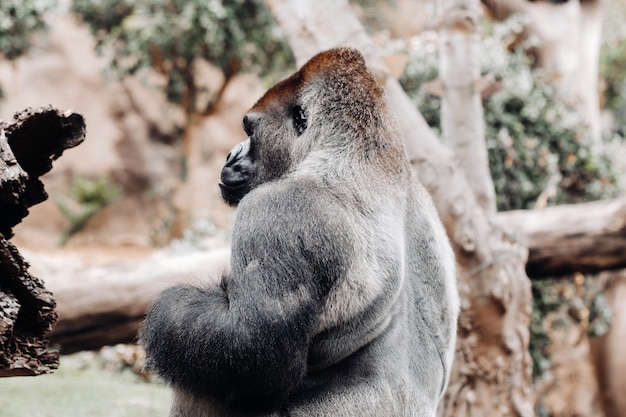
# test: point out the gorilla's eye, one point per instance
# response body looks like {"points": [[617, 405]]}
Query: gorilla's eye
{"points": [[299, 119]]}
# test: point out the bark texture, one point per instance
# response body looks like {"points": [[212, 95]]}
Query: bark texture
{"points": [[492, 372], [462, 121], [608, 351], [588, 237], [28, 145], [104, 305]]}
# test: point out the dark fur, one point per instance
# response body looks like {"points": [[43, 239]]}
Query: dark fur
{"points": [[341, 300]]}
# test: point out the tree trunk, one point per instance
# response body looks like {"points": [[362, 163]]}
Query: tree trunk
{"points": [[608, 351], [27, 310], [492, 371], [571, 35], [462, 121]]}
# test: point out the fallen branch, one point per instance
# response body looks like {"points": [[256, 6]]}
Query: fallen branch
{"points": [[587, 237], [104, 305]]}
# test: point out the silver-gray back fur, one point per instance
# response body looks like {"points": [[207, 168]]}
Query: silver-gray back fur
{"points": [[342, 298]]}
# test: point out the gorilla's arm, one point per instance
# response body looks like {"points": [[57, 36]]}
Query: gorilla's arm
{"points": [[248, 338]]}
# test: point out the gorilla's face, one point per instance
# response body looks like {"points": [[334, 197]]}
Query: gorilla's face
{"points": [[236, 173], [272, 125]]}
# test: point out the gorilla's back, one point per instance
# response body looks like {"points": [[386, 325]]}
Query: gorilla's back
{"points": [[341, 299], [395, 351]]}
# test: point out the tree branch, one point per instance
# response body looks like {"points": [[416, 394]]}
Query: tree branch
{"points": [[501, 9], [462, 121], [588, 237], [104, 305]]}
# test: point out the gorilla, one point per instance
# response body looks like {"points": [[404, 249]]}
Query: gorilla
{"points": [[341, 297]]}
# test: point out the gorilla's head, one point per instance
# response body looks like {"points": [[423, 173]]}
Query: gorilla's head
{"points": [[332, 103], [271, 125]]}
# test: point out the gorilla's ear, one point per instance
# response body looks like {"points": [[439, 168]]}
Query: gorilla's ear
{"points": [[298, 116]]}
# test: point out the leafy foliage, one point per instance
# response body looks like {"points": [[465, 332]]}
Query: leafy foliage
{"points": [[545, 301], [87, 197], [558, 303], [19, 20], [613, 62], [170, 35], [567, 306], [537, 145]]}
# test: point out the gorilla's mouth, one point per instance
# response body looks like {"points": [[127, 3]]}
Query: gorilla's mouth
{"points": [[233, 192]]}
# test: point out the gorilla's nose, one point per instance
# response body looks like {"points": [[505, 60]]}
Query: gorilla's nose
{"points": [[238, 152]]}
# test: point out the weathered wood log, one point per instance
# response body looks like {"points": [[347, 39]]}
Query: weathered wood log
{"points": [[104, 305], [588, 237], [28, 145], [27, 313]]}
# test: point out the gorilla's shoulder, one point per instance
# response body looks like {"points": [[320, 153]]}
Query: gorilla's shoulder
{"points": [[294, 208], [291, 198]]}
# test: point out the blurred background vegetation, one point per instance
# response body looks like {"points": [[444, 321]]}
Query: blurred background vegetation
{"points": [[537, 143], [170, 36]]}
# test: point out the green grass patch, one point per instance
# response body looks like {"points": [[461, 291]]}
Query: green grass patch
{"points": [[78, 391]]}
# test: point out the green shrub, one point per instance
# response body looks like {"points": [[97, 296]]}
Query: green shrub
{"points": [[536, 143], [169, 36], [86, 198], [19, 20], [612, 64], [565, 303]]}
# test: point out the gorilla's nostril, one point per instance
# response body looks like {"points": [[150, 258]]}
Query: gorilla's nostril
{"points": [[236, 153]]}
